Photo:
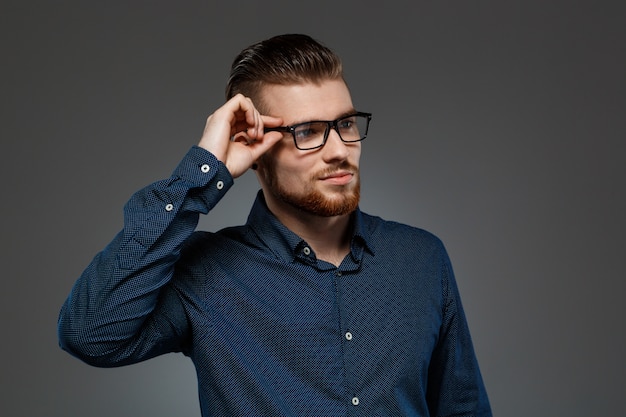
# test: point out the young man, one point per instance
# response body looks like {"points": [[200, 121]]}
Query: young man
{"points": [[312, 308]]}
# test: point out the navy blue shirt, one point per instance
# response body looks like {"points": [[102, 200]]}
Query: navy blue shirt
{"points": [[271, 329]]}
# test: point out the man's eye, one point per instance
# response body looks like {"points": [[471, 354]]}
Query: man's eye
{"points": [[308, 132], [303, 133], [345, 124]]}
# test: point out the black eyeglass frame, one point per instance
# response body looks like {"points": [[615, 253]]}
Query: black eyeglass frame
{"points": [[330, 124]]}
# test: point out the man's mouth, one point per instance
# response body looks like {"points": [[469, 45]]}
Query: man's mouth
{"points": [[338, 178]]}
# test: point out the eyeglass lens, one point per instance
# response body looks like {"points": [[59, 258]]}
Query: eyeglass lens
{"points": [[313, 134]]}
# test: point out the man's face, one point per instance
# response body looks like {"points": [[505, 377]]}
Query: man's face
{"points": [[323, 181]]}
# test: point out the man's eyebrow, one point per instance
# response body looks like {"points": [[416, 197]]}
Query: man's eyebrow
{"points": [[348, 113], [342, 115]]}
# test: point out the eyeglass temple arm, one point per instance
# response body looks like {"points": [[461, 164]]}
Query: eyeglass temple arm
{"points": [[277, 129]]}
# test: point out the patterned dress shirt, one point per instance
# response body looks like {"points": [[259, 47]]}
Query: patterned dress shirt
{"points": [[271, 329]]}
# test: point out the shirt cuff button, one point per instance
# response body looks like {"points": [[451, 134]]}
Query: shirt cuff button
{"points": [[169, 207], [205, 168], [220, 185]]}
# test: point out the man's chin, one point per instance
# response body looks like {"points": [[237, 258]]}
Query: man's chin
{"points": [[321, 205]]}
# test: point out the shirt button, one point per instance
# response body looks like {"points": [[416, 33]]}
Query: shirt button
{"points": [[306, 251], [169, 207], [355, 400], [205, 168], [348, 336], [220, 185]]}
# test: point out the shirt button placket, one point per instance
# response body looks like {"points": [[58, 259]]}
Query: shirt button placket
{"points": [[355, 399], [349, 338]]}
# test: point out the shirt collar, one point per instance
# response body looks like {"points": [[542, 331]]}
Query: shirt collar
{"points": [[287, 245]]}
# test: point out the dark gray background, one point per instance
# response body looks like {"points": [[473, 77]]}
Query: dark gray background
{"points": [[498, 125]]}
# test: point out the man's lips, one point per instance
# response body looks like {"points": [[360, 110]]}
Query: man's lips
{"points": [[338, 178]]}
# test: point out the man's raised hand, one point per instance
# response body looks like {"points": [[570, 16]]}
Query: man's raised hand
{"points": [[234, 134]]}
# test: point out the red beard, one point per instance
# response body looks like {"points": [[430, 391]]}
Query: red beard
{"points": [[312, 200]]}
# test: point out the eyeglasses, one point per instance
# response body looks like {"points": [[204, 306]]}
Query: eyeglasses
{"points": [[313, 134]]}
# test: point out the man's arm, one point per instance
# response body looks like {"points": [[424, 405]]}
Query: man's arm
{"points": [[109, 318], [455, 385]]}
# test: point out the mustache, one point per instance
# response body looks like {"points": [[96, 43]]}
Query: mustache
{"points": [[343, 166]]}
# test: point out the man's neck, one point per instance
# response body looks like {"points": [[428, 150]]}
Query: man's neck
{"points": [[329, 237]]}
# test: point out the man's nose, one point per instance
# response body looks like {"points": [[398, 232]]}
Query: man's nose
{"points": [[335, 148]]}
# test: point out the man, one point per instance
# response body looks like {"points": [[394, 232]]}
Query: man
{"points": [[312, 308]]}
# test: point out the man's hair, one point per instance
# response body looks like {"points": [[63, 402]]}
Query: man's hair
{"points": [[282, 59]]}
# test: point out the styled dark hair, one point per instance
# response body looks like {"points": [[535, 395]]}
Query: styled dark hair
{"points": [[282, 59]]}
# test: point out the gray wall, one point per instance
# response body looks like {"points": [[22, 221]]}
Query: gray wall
{"points": [[497, 125]]}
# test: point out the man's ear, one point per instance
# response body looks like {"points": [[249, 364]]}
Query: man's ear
{"points": [[259, 166], [241, 137]]}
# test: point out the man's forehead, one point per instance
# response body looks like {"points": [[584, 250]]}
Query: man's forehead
{"points": [[325, 100]]}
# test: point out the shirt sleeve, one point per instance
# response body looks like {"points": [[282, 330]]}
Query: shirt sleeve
{"points": [[121, 310], [455, 384]]}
